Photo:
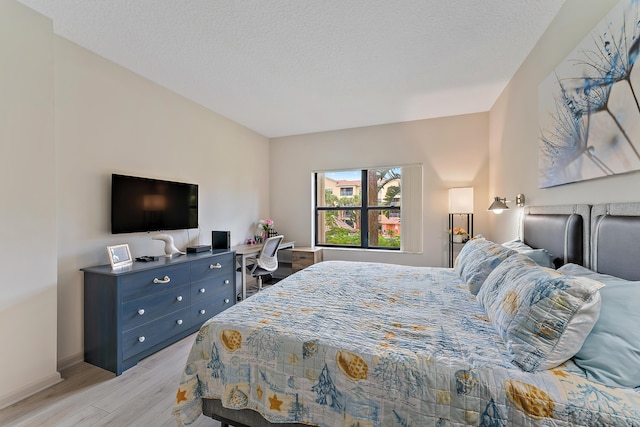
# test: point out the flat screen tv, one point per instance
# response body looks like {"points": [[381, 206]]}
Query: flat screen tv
{"points": [[145, 204]]}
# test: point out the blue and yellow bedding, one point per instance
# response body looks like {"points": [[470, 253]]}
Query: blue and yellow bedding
{"points": [[365, 344]]}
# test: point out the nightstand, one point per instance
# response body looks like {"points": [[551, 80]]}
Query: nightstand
{"points": [[304, 257]]}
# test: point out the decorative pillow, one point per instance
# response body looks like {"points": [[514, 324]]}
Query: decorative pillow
{"points": [[477, 259], [611, 353], [542, 315], [540, 256]]}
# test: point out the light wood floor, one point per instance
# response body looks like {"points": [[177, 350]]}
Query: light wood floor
{"points": [[90, 396]]}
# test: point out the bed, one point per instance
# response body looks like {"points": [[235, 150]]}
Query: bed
{"points": [[368, 344]]}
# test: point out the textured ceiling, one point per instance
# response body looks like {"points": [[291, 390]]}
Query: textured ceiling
{"points": [[286, 67]]}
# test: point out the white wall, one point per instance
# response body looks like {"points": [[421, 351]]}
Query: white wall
{"points": [[27, 204], [110, 120], [452, 150], [514, 132]]}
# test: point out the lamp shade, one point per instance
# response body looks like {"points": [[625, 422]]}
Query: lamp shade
{"points": [[461, 200], [498, 205]]}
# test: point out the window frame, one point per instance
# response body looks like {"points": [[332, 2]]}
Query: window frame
{"points": [[365, 208]]}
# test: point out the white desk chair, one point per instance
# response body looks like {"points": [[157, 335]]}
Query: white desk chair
{"points": [[267, 261]]}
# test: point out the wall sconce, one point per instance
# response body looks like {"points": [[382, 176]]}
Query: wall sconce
{"points": [[499, 204]]}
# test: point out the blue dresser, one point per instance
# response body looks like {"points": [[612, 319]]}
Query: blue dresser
{"points": [[133, 312]]}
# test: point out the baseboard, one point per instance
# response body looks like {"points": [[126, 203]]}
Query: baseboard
{"points": [[28, 390], [69, 361]]}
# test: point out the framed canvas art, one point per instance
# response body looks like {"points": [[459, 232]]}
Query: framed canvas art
{"points": [[589, 105]]}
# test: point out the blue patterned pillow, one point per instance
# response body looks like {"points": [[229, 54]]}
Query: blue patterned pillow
{"points": [[542, 315], [477, 259], [611, 353]]}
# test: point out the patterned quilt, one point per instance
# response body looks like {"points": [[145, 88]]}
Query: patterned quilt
{"points": [[367, 344]]}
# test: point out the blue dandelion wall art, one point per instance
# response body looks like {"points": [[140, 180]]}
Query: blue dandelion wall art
{"points": [[589, 105]]}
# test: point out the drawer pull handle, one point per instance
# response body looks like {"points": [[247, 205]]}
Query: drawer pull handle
{"points": [[141, 311], [216, 265], [179, 321], [202, 312], [166, 279], [141, 339], [226, 301], [203, 290], [226, 282], [179, 298]]}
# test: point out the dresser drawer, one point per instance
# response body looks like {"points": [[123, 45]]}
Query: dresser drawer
{"points": [[222, 265], [149, 282], [146, 336], [303, 257], [143, 310], [205, 288], [205, 308]]}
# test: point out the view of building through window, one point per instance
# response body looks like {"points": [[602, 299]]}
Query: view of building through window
{"points": [[359, 208]]}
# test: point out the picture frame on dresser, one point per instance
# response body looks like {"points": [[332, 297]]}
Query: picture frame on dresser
{"points": [[119, 255]]}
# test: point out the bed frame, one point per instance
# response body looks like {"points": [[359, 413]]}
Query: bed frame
{"points": [[562, 230], [213, 408], [615, 240], [566, 232]]}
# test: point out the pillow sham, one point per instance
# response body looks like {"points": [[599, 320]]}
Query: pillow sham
{"points": [[477, 259], [611, 353], [540, 256], [542, 315]]}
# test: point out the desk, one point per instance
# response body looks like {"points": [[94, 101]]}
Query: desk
{"points": [[245, 251]]}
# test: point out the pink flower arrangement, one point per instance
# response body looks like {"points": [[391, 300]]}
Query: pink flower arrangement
{"points": [[266, 224]]}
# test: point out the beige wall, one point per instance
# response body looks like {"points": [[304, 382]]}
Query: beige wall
{"points": [[514, 133], [452, 150], [68, 120], [110, 120], [27, 204]]}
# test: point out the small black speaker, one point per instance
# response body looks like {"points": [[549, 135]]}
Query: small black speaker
{"points": [[221, 239]]}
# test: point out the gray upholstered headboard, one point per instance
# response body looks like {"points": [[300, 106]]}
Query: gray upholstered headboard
{"points": [[562, 230], [615, 239]]}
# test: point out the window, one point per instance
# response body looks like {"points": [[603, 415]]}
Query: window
{"points": [[346, 192], [368, 208]]}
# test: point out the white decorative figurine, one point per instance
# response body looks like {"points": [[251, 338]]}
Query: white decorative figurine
{"points": [[169, 248]]}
